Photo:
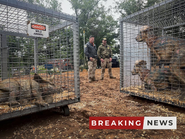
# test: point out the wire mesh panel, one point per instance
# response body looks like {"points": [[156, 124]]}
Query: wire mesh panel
{"points": [[36, 73], [152, 53]]}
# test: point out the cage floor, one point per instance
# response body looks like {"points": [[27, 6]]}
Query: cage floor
{"points": [[170, 97], [57, 97]]}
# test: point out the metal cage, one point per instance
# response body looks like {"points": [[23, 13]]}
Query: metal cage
{"points": [[152, 53], [37, 73]]}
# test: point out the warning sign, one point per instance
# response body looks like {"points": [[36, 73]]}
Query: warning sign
{"points": [[38, 30]]}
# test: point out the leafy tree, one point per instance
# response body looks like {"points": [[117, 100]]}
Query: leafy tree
{"points": [[52, 4], [21, 49], [127, 7], [95, 20], [20, 52], [116, 49]]}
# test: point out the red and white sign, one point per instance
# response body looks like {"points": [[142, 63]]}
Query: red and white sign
{"points": [[38, 27], [38, 30], [132, 123]]}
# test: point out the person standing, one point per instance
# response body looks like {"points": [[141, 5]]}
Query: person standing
{"points": [[105, 56], [91, 53]]}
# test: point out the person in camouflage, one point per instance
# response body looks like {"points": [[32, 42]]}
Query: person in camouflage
{"points": [[105, 55], [91, 53]]}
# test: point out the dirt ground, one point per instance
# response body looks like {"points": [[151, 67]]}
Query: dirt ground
{"points": [[100, 98]]}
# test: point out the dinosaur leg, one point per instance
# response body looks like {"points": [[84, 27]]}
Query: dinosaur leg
{"points": [[158, 58], [12, 98], [48, 99], [39, 99], [179, 73]]}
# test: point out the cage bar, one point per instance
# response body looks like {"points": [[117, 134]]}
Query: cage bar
{"points": [[152, 53], [36, 73], [37, 9]]}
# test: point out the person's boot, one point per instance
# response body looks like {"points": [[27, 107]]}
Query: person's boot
{"points": [[112, 77], [94, 79], [90, 80]]}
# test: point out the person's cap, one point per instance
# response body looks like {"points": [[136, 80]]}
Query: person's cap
{"points": [[104, 39], [91, 36]]}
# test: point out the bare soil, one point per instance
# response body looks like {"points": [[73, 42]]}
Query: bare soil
{"points": [[100, 98]]}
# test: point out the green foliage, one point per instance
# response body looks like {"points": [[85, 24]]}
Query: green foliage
{"points": [[116, 49], [95, 20], [22, 49], [127, 7], [52, 4]]}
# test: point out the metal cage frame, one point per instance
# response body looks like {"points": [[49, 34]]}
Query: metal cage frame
{"points": [[128, 19], [70, 21]]}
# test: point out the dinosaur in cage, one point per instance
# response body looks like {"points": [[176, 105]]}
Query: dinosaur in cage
{"points": [[156, 80], [168, 50]]}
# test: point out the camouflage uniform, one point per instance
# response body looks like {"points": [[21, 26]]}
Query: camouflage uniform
{"points": [[105, 53], [90, 51], [91, 69]]}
